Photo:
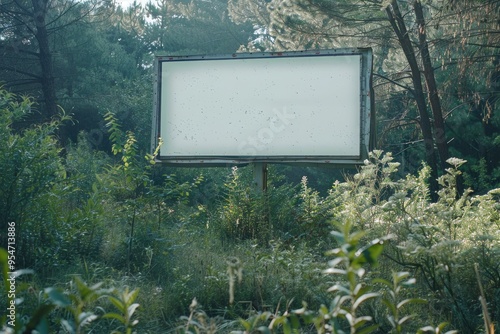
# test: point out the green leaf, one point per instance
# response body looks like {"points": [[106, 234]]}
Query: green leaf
{"points": [[286, 327], [116, 316], [5, 267], [21, 272], [68, 326], [412, 301], [335, 262], [364, 298], [360, 321], [335, 271], [323, 309], [390, 305], [118, 303], [132, 296], [400, 275], [85, 292], [38, 316], [367, 330], [43, 326], [294, 321], [246, 324], [372, 252], [264, 329], [131, 309], [391, 320], [426, 329], [57, 298], [355, 237], [339, 287], [409, 282], [338, 236], [404, 319], [383, 281], [85, 318]]}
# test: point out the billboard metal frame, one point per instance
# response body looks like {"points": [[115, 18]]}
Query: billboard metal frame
{"points": [[366, 113]]}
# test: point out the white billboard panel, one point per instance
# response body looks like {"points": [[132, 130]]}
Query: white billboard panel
{"points": [[266, 107]]}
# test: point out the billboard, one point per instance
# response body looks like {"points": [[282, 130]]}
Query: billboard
{"points": [[283, 107]]}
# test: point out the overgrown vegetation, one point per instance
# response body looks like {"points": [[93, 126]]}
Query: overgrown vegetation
{"points": [[116, 244], [104, 238]]}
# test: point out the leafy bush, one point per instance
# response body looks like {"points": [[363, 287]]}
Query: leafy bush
{"points": [[73, 310], [245, 213], [31, 168], [438, 243]]}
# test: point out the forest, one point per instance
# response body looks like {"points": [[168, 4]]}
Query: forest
{"points": [[95, 237]]}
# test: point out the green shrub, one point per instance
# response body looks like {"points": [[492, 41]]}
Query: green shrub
{"points": [[31, 168]]}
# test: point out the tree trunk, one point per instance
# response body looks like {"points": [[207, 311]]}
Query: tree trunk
{"points": [[45, 57], [399, 27], [430, 80]]}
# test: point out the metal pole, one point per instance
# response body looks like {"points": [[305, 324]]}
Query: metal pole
{"points": [[260, 176]]}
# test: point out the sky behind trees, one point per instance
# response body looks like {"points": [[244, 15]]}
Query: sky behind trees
{"points": [[127, 3]]}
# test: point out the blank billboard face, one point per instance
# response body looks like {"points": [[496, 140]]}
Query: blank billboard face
{"points": [[290, 107]]}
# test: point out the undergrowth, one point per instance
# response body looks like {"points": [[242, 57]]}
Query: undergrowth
{"points": [[118, 244]]}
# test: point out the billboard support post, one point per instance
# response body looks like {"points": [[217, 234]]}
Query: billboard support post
{"points": [[260, 176]]}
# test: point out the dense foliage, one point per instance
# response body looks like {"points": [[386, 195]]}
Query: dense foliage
{"points": [[107, 241], [93, 220]]}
